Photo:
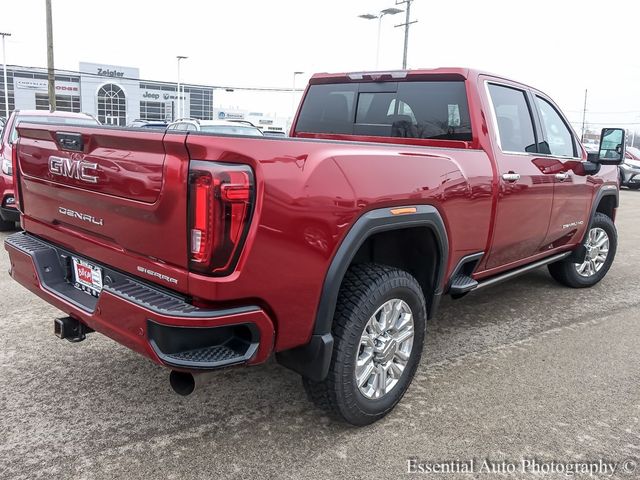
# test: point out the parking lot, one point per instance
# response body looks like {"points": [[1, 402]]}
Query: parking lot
{"points": [[527, 369]]}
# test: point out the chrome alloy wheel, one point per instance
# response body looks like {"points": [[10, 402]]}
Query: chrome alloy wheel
{"points": [[597, 246], [384, 349]]}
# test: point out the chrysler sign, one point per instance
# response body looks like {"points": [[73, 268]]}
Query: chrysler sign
{"points": [[41, 85]]}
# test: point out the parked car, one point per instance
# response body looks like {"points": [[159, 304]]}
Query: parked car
{"points": [[9, 215], [225, 127], [159, 124], [331, 248], [630, 169], [591, 146]]}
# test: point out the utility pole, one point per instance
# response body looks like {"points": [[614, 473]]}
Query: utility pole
{"points": [[4, 73], [584, 115], [293, 94], [406, 24], [50, 70]]}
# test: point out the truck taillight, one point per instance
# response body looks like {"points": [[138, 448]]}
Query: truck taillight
{"points": [[221, 197]]}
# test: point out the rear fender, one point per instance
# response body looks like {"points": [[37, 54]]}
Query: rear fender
{"points": [[313, 359]]}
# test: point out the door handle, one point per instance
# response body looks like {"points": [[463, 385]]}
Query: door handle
{"points": [[562, 176], [511, 177]]}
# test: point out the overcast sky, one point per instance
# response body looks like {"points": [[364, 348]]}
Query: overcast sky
{"points": [[558, 46]]}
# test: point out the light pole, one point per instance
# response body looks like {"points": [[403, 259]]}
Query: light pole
{"points": [[4, 73], [180, 57], [371, 16], [293, 94]]}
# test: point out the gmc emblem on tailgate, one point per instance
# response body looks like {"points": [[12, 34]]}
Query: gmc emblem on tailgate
{"points": [[77, 169]]}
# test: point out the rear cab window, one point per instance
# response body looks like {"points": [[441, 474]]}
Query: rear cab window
{"points": [[435, 110]]}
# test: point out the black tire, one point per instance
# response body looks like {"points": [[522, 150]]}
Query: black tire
{"points": [[364, 290], [634, 186], [6, 226], [566, 272]]}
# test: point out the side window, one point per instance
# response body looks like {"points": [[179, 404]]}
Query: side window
{"points": [[513, 116], [191, 127], [181, 126], [559, 140]]}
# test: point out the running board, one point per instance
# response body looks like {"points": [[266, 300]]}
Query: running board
{"points": [[519, 271]]}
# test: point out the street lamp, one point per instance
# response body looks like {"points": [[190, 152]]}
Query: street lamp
{"points": [[4, 73], [180, 112], [371, 16], [293, 94]]}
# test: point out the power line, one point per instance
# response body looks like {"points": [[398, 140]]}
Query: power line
{"points": [[606, 123], [606, 113]]}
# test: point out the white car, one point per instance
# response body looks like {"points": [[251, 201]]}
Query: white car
{"points": [[630, 169], [225, 127]]}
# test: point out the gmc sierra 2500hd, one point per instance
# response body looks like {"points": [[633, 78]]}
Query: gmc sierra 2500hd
{"points": [[330, 249]]}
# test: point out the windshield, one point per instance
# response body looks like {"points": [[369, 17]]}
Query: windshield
{"points": [[231, 130], [49, 119]]}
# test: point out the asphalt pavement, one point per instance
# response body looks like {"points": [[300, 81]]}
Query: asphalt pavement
{"points": [[527, 371]]}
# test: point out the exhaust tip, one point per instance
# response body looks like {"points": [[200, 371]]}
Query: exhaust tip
{"points": [[182, 383]]}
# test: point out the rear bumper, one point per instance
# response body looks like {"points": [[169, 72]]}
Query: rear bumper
{"points": [[156, 323], [9, 214]]}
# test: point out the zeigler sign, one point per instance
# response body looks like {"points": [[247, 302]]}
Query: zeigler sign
{"points": [[109, 71]]}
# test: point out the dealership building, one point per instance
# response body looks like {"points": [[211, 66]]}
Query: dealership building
{"points": [[117, 96]]}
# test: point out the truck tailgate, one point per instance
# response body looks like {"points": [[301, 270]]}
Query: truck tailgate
{"points": [[118, 190]]}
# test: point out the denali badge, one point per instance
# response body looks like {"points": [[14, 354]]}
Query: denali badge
{"points": [[573, 224], [85, 217], [73, 169], [161, 276]]}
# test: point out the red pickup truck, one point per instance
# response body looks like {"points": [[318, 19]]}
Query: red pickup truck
{"points": [[330, 249]]}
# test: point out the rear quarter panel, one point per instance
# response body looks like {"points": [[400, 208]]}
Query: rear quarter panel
{"points": [[310, 193]]}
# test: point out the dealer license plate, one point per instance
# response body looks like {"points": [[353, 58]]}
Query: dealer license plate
{"points": [[87, 277]]}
